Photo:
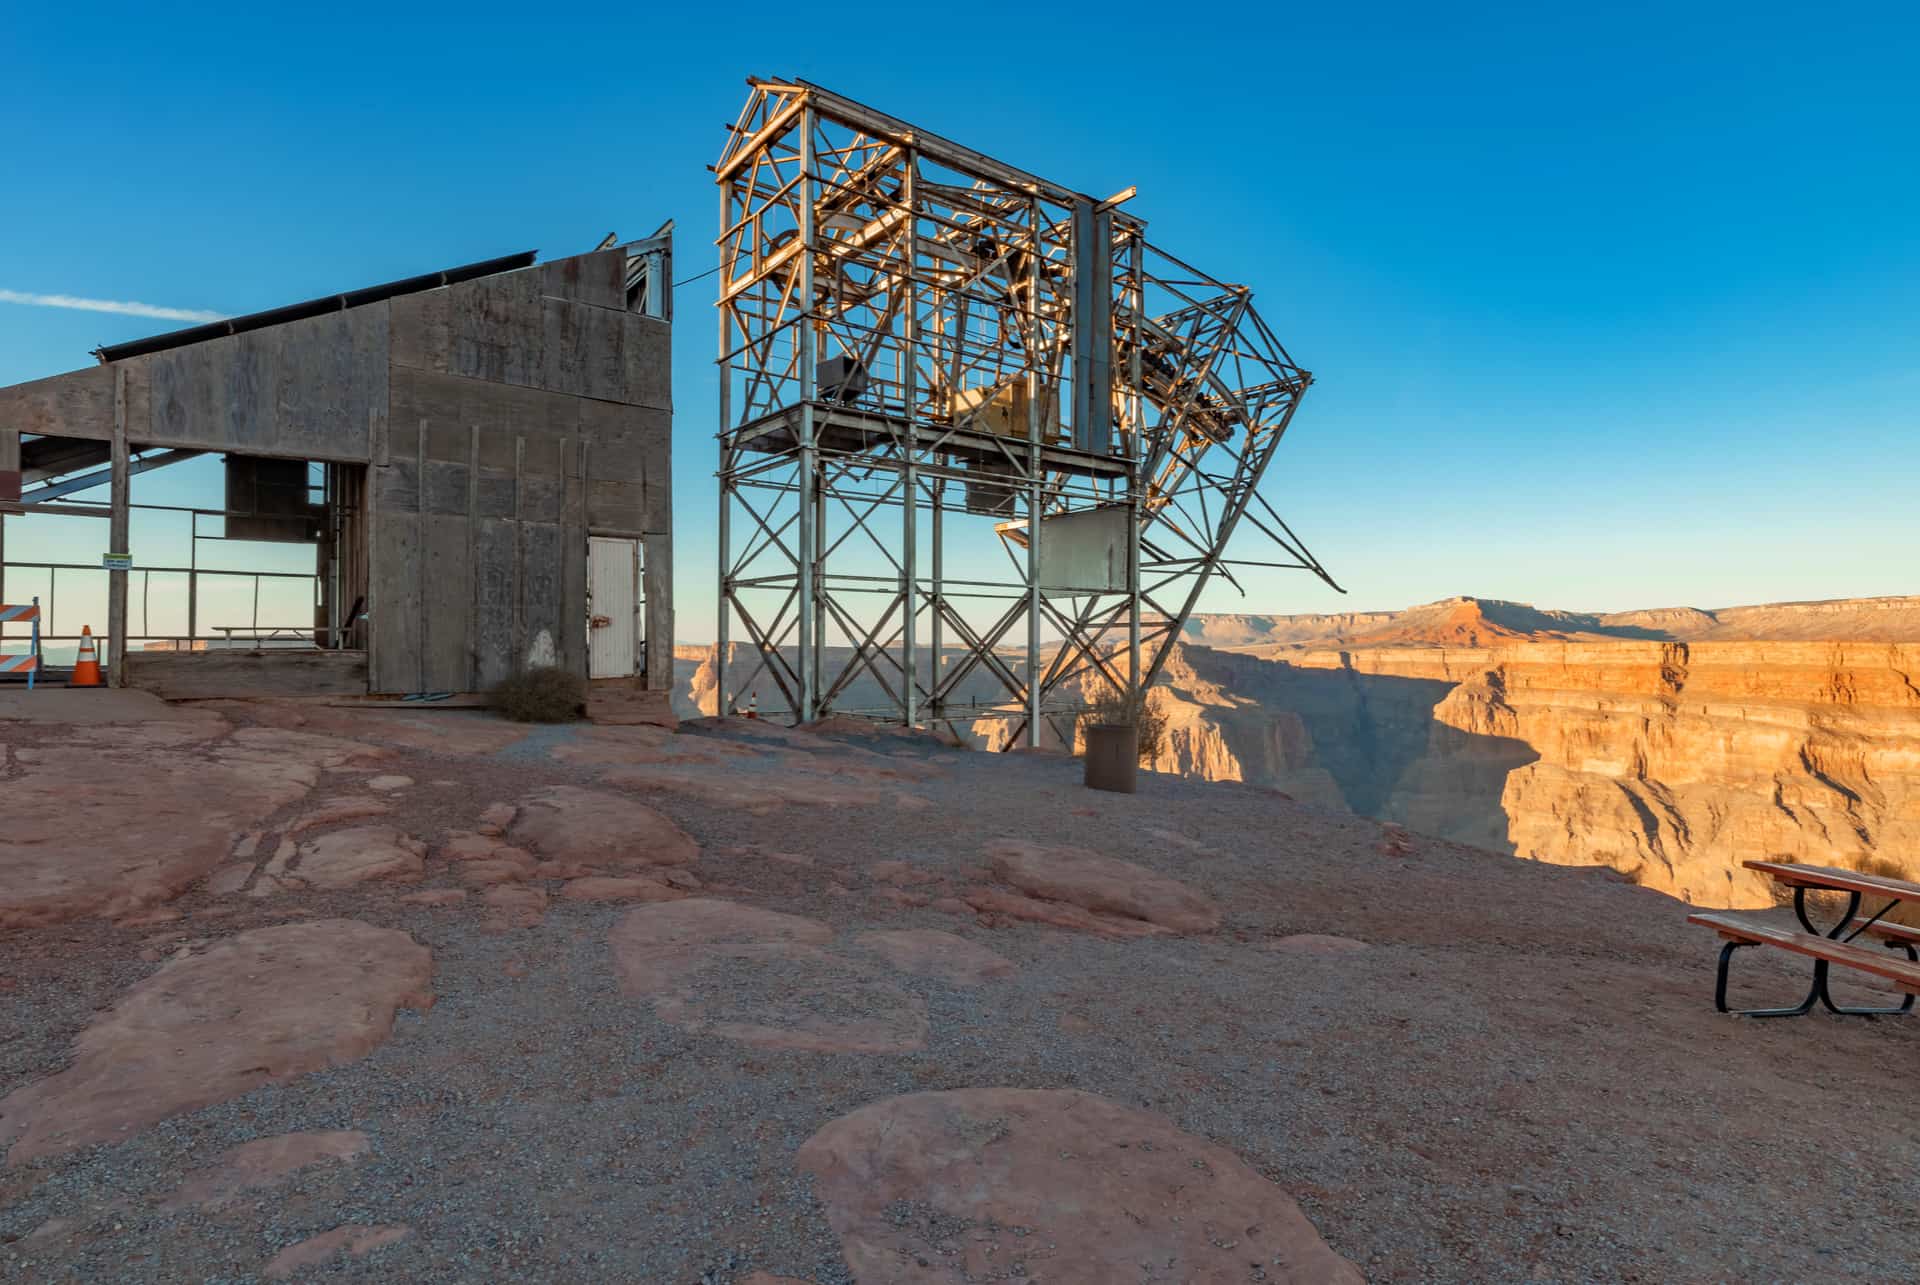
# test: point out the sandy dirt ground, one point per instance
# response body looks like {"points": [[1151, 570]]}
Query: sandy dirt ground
{"points": [[298, 992]]}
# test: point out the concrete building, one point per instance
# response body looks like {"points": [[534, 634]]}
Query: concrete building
{"points": [[481, 458]]}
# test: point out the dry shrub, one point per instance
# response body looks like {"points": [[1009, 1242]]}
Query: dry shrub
{"points": [[1145, 716], [544, 695], [1906, 913]]}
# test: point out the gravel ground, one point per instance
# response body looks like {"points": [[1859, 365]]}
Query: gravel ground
{"points": [[1522, 1079]]}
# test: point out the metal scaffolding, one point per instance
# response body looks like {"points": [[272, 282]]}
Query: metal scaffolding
{"points": [[924, 350]]}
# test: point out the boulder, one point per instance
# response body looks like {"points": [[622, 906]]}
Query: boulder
{"points": [[566, 823], [1105, 885], [358, 855], [610, 889]]}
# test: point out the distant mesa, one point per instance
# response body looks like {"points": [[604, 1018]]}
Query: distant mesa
{"points": [[1488, 622]]}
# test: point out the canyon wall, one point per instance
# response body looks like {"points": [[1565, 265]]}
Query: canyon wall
{"points": [[1671, 762]]}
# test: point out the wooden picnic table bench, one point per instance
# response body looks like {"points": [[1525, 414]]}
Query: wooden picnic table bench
{"points": [[1826, 947]]}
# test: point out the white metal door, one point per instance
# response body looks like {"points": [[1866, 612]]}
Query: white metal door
{"points": [[613, 607]]}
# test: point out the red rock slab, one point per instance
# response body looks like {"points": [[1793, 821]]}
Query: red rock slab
{"points": [[352, 1239], [147, 918], [262, 1007], [230, 878], [1103, 884], [1052, 1185], [929, 952], [362, 854], [516, 907], [334, 811], [442, 731], [465, 845], [1060, 914], [504, 869], [614, 889], [496, 817], [760, 978], [566, 823], [902, 874], [270, 750], [96, 832], [264, 1162], [434, 897]]}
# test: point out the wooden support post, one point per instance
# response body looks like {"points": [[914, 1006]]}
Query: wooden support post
{"points": [[117, 536]]}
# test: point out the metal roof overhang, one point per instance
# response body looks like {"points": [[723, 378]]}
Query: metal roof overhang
{"points": [[315, 307]]}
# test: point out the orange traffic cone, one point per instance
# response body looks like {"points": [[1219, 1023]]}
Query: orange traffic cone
{"points": [[753, 705], [86, 670]]}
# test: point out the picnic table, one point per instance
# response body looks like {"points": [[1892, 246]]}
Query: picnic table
{"points": [[1830, 946]]}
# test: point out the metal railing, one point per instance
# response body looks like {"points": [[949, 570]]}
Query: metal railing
{"points": [[141, 592]]}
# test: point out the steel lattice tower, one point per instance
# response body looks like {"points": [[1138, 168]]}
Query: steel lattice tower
{"points": [[920, 344]]}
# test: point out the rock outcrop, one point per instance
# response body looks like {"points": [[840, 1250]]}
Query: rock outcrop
{"points": [[1670, 744], [261, 1007], [761, 978], [1671, 762], [968, 1185]]}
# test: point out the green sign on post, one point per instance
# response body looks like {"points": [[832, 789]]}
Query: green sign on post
{"points": [[117, 561]]}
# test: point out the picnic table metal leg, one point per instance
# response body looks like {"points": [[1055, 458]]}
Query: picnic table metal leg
{"points": [[1805, 1006], [1905, 1006], [1821, 991]]}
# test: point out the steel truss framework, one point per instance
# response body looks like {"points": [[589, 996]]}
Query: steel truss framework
{"points": [[920, 344]]}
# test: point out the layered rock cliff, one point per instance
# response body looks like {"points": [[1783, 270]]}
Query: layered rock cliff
{"points": [[1643, 741], [1671, 762]]}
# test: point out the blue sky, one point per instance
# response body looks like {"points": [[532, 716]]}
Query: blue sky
{"points": [[1608, 308]]}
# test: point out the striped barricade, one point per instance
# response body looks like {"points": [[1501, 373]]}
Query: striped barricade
{"points": [[28, 664]]}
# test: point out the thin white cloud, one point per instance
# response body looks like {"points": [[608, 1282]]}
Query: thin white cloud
{"points": [[108, 305]]}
